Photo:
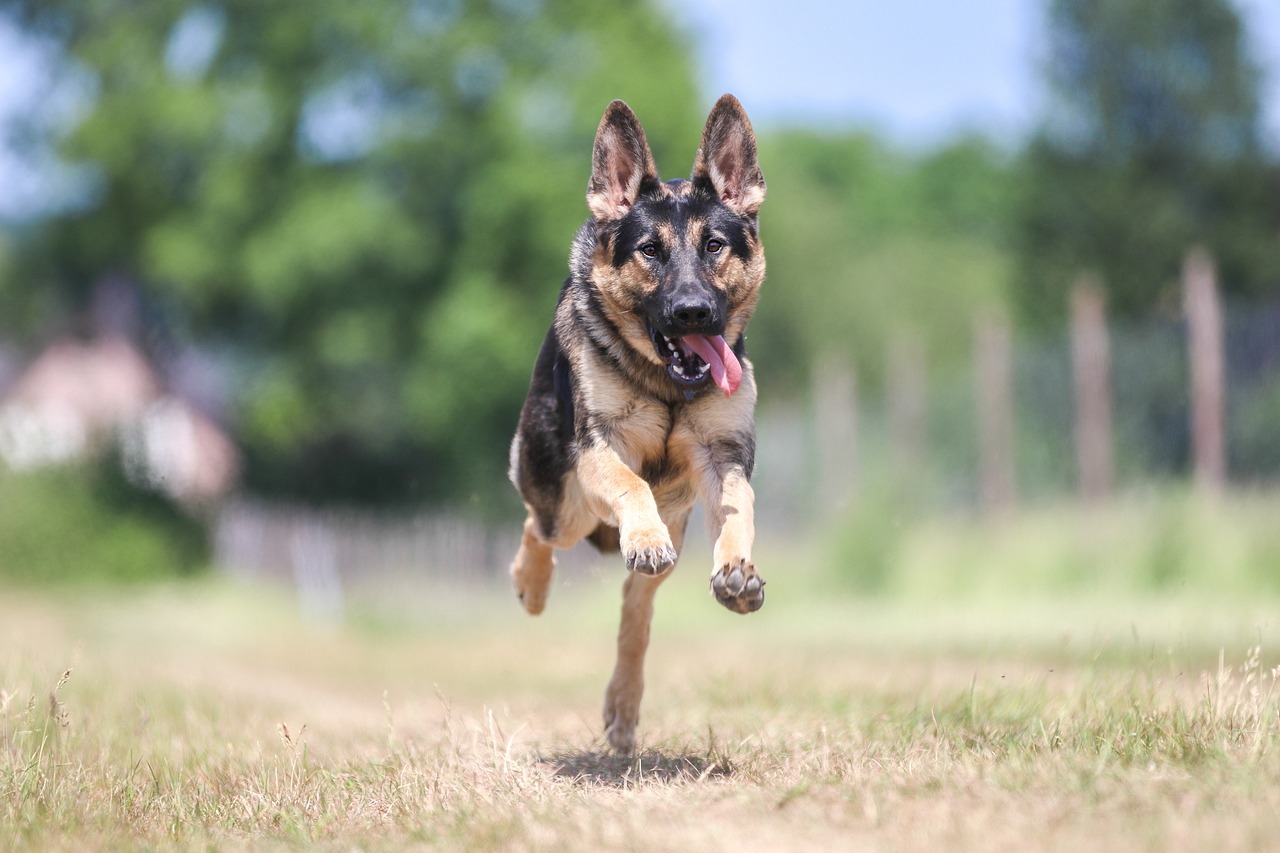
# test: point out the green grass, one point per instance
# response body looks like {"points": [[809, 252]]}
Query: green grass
{"points": [[207, 714]]}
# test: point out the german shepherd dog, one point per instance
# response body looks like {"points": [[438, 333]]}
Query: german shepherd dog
{"points": [[642, 399]]}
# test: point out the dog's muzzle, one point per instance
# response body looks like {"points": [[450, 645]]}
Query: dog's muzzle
{"points": [[692, 359]]}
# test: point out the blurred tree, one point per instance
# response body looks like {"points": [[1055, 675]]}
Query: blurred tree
{"points": [[865, 242], [1151, 143], [368, 205]]}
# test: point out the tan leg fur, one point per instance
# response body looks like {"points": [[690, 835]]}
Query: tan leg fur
{"points": [[730, 506], [645, 540], [626, 687], [531, 569]]}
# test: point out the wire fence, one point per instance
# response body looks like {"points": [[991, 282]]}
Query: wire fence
{"points": [[1018, 424], [1093, 409]]}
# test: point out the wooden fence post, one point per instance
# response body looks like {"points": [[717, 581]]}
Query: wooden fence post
{"points": [[908, 409], [835, 409], [993, 365], [1091, 368], [1208, 370]]}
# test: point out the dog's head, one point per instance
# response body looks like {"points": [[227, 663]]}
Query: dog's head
{"points": [[678, 265]]}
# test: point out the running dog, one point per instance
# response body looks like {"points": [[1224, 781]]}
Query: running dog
{"points": [[642, 400]]}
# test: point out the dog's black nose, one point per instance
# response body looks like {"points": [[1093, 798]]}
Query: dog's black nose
{"points": [[693, 312]]}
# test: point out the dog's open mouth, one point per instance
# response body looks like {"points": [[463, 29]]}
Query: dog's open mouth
{"points": [[692, 359]]}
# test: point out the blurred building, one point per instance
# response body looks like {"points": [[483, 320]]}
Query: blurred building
{"points": [[81, 398]]}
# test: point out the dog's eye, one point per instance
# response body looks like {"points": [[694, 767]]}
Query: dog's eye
{"points": [[714, 246], [649, 250]]}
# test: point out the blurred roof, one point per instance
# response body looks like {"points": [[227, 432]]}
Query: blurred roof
{"points": [[79, 395]]}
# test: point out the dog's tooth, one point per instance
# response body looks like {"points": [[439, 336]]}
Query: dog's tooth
{"points": [[671, 346], [678, 369]]}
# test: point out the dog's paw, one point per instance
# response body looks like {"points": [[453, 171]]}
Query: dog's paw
{"points": [[649, 552], [738, 586], [534, 599], [531, 577], [621, 713]]}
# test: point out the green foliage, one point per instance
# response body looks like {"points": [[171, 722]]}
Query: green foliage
{"points": [[367, 208], [1151, 144], [369, 204], [89, 524], [865, 243], [865, 546], [1253, 418], [1172, 542]]}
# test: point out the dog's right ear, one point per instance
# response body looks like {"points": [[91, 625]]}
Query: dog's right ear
{"points": [[620, 165]]}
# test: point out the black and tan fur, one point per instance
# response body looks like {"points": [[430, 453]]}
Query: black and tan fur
{"points": [[613, 445]]}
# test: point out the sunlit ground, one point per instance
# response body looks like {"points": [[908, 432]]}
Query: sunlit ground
{"points": [[210, 712]]}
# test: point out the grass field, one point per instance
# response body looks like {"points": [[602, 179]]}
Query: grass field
{"points": [[207, 714]]}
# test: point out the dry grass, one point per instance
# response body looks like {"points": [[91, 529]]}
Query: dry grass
{"points": [[207, 715]]}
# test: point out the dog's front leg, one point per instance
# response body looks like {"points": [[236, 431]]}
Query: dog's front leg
{"points": [[644, 539], [730, 504]]}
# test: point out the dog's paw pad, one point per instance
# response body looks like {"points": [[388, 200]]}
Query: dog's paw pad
{"points": [[738, 587]]}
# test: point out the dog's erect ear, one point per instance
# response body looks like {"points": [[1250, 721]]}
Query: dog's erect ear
{"points": [[727, 158], [620, 165]]}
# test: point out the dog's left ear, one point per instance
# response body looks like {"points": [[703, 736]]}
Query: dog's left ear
{"points": [[727, 158]]}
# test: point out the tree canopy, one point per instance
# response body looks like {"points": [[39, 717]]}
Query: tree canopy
{"points": [[866, 243], [1151, 144], [368, 210], [363, 210]]}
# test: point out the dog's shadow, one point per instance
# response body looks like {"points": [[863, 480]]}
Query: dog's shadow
{"points": [[605, 768]]}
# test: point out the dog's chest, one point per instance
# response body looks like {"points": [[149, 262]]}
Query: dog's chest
{"points": [[661, 445]]}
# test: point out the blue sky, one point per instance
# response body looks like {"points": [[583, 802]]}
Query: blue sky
{"points": [[916, 70]]}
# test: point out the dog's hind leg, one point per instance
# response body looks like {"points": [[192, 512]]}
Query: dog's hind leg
{"points": [[606, 539], [532, 567], [626, 687]]}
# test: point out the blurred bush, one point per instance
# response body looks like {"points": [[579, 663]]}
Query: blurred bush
{"points": [[87, 523], [865, 547], [1169, 542]]}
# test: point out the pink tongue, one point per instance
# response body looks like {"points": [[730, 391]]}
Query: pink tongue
{"points": [[725, 369]]}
